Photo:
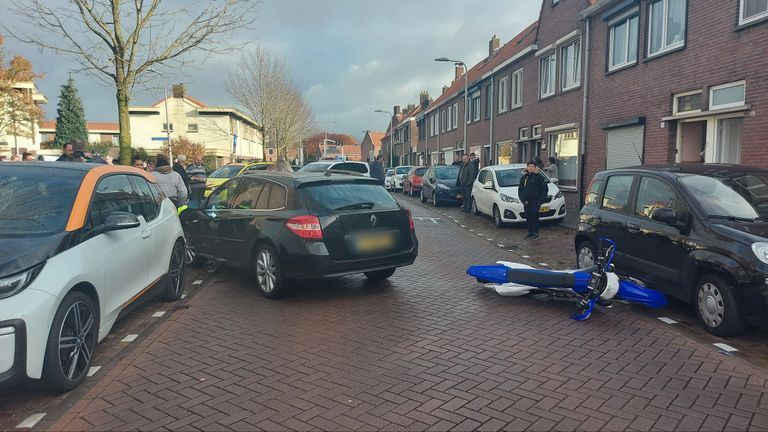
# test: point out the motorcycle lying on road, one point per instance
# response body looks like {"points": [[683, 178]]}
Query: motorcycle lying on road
{"points": [[598, 284]]}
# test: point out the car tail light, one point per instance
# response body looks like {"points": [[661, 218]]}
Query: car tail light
{"points": [[410, 220], [307, 227]]}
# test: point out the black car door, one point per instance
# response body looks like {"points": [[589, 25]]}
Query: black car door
{"points": [[658, 249], [611, 219], [234, 224], [205, 228], [428, 185]]}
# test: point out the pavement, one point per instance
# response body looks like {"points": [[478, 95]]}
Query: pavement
{"points": [[429, 349]]}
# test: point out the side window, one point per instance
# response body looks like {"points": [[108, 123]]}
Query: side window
{"points": [[146, 204], [221, 198], [277, 199], [263, 202], [593, 193], [481, 176], [617, 191], [652, 194], [113, 193], [248, 195]]}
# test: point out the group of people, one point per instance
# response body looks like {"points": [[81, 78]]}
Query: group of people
{"points": [[26, 156], [184, 185]]}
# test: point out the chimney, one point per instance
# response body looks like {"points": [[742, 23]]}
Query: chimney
{"points": [[459, 72], [410, 108], [424, 99], [397, 109], [445, 88], [178, 90], [493, 45]]}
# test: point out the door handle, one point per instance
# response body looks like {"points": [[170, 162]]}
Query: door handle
{"points": [[633, 228], [146, 234]]}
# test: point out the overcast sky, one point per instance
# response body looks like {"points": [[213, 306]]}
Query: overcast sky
{"points": [[349, 57]]}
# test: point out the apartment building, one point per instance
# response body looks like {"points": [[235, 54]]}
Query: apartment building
{"points": [[28, 138]]}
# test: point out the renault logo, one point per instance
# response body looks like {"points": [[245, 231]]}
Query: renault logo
{"points": [[373, 220]]}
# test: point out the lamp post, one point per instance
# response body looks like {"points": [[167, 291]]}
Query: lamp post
{"points": [[391, 137], [325, 135], [167, 123], [466, 117]]}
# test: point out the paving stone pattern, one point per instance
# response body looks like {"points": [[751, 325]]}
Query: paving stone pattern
{"points": [[429, 350]]}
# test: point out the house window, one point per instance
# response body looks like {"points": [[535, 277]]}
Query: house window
{"points": [[475, 107], [517, 89], [727, 95], [192, 128], [455, 121], [523, 133], [752, 10], [687, 102], [623, 40], [488, 100], [537, 131], [115, 140], [564, 147], [547, 75], [503, 95], [570, 75], [666, 29], [443, 114], [165, 127]]}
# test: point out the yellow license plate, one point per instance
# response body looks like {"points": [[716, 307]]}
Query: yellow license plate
{"points": [[375, 242], [543, 209]]}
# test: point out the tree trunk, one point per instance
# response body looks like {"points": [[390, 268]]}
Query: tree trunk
{"points": [[123, 99]]}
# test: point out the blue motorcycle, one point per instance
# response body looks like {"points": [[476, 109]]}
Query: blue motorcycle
{"points": [[597, 284]]}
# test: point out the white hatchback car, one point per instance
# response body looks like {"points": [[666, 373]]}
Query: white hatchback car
{"points": [[400, 173], [321, 166], [494, 193], [80, 243], [389, 178]]}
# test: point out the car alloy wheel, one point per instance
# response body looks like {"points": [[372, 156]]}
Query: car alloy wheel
{"points": [[268, 274], [71, 342], [177, 271], [585, 257]]}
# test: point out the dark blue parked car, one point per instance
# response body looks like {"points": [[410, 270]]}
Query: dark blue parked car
{"points": [[439, 185]]}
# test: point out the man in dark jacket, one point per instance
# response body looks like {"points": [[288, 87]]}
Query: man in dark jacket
{"points": [[180, 167], [456, 161], [467, 176], [532, 192], [377, 169]]}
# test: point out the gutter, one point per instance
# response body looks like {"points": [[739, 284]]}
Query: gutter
{"points": [[585, 98]]}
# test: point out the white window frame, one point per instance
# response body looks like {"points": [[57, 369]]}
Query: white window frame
{"points": [[443, 120], [455, 121], [623, 18], [676, 108], [576, 58], [713, 107], [664, 47], [474, 103], [503, 95], [164, 127], [522, 133], [746, 20], [191, 129], [516, 87], [536, 132], [552, 79]]}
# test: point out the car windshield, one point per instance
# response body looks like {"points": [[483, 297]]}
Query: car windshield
{"points": [[314, 167], [402, 170], [389, 172], [743, 196], [227, 171], [509, 177], [340, 196], [420, 171], [447, 172], [36, 202]]}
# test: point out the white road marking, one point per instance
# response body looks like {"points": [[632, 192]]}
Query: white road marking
{"points": [[500, 245], [184, 295], [158, 314], [725, 347], [464, 226], [544, 264], [197, 282], [130, 338], [666, 320], [211, 270], [92, 371], [489, 239], [31, 421], [479, 235], [525, 256]]}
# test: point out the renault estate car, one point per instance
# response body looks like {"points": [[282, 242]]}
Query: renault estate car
{"points": [[80, 244], [494, 193], [698, 232], [298, 226]]}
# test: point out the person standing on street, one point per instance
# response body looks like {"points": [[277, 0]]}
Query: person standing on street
{"points": [[467, 176], [456, 160], [197, 179], [169, 181], [377, 169], [67, 153], [180, 168], [476, 161], [532, 192], [551, 170]]}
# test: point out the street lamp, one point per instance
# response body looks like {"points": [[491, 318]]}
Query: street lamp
{"points": [[466, 117], [325, 135], [391, 137], [167, 123]]}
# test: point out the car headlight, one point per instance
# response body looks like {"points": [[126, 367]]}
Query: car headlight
{"points": [[760, 250], [559, 194], [442, 186], [509, 199], [15, 283]]}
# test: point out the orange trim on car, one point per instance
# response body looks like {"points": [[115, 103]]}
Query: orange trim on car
{"points": [[144, 291], [88, 185]]}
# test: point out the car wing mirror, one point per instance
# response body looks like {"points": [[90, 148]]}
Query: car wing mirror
{"points": [[665, 215], [431, 179], [119, 220]]}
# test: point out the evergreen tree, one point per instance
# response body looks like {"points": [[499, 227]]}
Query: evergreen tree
{"points": [[70, 116]]}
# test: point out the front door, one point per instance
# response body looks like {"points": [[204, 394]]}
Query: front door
{"points": [[692, 141]]}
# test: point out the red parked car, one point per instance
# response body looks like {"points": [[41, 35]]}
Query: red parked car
{"points": [[412, 181]]}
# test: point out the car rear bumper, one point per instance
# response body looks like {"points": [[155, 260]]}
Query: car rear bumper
{"points": [[322, 266]]}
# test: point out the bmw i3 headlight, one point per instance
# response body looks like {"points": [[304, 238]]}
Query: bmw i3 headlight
{"points": [[15, 283], [760, 250], [509, 199]]}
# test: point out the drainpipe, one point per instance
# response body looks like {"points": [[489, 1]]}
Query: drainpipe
{"points": [[490, 134], [583, 135]]}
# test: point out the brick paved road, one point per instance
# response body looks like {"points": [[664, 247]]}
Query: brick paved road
{"points": [[427, 350]]}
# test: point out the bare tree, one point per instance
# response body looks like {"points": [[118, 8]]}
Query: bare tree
{"points": [[262, 85], [120, 41]]}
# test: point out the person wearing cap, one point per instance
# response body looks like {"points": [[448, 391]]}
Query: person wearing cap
{"points": [[532, 191]]}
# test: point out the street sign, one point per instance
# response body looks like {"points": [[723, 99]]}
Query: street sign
{"points": [[159, 138]]}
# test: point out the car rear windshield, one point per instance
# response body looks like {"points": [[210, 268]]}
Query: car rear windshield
{"points": [[447, 172], [743, 196], [402, 170], [36, 202], [420, 171], [314, 167], [330, 197], [228, 171]]}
